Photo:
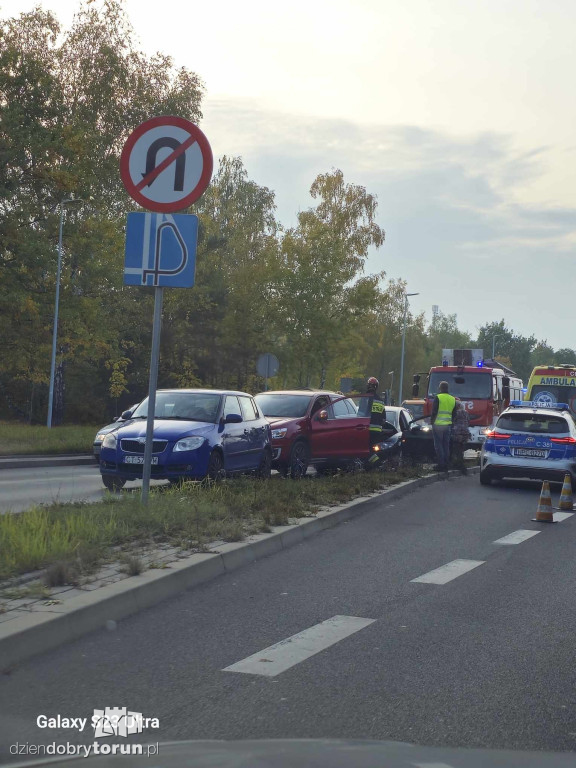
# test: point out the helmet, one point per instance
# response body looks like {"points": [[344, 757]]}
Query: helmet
{"points": [[372, 384]]}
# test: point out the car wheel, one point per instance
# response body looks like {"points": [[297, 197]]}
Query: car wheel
{"points": [[215, 466], [485, 479], [299, 459], [113, 483], [264, 470]]}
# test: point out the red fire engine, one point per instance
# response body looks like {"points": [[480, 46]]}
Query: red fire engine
{"points": [[484, 388]]}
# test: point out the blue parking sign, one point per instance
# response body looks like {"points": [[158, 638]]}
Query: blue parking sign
{"points": [[161, 250]]}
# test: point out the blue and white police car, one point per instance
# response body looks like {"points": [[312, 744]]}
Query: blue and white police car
{"points": [[530, 440]]}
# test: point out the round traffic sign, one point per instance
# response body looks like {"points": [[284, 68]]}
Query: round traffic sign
{"points": [[166, 164], [267, 365]]}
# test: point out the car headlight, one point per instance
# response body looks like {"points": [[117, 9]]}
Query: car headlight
{"points": [[100, 437], [278, 434], [109, 441], [189, 444]]}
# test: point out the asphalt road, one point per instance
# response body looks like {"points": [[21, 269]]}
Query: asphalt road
{"points": [[22, 488], [487, 659]]}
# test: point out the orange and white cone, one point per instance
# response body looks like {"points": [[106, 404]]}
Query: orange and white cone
{"points": [[544, 513], [566, 499]]}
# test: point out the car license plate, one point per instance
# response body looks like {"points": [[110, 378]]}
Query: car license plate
{"points": [[138, 460], [530, 453]]}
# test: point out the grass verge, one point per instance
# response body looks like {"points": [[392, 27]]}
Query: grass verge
{"points": [[71, 540], [22, 439]]}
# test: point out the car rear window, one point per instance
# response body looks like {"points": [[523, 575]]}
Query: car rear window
{"points": [[540, 423]]}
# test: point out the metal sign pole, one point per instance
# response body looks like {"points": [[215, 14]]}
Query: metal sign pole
{"points": [[154, 358]]}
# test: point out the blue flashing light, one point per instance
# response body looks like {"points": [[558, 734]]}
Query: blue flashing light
{"points": [[480, 364], [524, 390], [532, 404]]}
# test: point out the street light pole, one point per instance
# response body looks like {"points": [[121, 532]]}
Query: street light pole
{"points": [[391, 373], [56, 308], [400, 388]]}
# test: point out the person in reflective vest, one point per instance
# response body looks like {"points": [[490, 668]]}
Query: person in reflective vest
{"points": [[376, 409], [442, 410]]}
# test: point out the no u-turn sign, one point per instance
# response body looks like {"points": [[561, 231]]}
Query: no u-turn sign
{"points": [[166, 164]]}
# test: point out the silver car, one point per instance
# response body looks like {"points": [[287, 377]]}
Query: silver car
{"points": [[530, 441]]}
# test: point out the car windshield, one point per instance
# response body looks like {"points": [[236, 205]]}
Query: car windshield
{"points": [[288, 406], [541, 423], [186, 406], [392, 417], [466, 386], [416, 409]]}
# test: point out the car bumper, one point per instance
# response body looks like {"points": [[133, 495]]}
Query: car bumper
{"points": [[546, 469], [190, 464]]}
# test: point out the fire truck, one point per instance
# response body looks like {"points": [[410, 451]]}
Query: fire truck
{"points": [[484, 387]]}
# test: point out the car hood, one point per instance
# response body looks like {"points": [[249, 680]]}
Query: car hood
{"points": [[166, 429], [111, 427], [281, 421]]}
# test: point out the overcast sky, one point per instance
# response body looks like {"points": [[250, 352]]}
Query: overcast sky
{"points": [[458, 114]]}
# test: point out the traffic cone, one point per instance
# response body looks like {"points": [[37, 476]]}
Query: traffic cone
{"points": [[566, 500], [544, 513]]}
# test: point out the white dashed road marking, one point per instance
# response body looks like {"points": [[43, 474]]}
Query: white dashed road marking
{"points": [[450, 571], [287, 653], [560, 516], [517, 537]]}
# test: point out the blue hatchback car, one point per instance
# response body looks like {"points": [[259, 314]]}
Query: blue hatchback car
{"points": [[198, 433]]}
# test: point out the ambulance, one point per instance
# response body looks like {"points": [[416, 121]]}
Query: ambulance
{"points": [[551, 384]]}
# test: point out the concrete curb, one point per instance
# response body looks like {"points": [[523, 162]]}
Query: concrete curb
{"points": [[35, 633], [35, 462]]}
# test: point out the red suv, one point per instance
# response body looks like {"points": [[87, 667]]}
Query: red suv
{"points": [[313, 427]]}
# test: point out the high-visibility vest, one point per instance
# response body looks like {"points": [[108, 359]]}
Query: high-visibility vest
{"points": [[377, 415], [446, 405]]}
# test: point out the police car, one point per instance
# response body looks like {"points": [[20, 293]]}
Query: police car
{"points": [[530, 440]]}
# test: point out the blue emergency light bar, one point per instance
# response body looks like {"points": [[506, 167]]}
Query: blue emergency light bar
{"points": [[533, 404], [480, 364]]}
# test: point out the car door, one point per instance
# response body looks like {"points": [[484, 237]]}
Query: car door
{"points": [[353, 431], [255, 432], [234, 440], [322, 429], [343, 435]]}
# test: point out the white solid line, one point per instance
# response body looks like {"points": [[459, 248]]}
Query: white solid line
{"points": [[287, 653], [450, 571], [560, 516], [517, 537]]}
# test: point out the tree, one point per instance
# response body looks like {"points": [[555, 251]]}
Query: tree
{"points": [[320, 294], [68, 99], [517, 348]]}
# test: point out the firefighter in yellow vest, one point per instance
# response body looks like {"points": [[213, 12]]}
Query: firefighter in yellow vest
{"points": [[377, 411], [442, 409]]}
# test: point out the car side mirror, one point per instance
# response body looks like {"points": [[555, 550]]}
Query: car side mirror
{"points": [[415, 427], [233, 418], [126, 415], [322, 416]]}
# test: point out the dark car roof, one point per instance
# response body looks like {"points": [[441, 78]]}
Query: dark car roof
{"points": [[300, 392]]}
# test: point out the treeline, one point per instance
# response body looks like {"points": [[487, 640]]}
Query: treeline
{"points": [[68, 100]]}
